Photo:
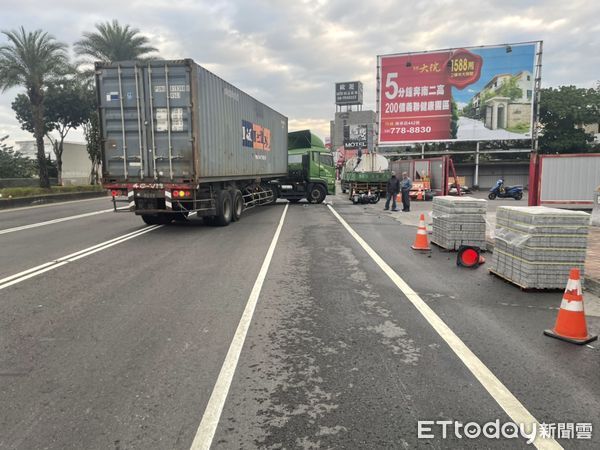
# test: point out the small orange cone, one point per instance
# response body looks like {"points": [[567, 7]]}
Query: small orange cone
{"points": [[421, 241], [570, 324], [420, 195]]}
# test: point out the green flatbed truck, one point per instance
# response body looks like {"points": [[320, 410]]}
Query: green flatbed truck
{"points": [[362, 182], [311, 171]]}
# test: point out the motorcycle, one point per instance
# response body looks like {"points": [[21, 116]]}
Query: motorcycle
{"points": [[365, 198], [502, 191]]}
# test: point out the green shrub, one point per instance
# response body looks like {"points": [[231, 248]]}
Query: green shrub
{"points": [[35, 191]]}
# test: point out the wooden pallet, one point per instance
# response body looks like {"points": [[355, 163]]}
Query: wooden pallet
{"points": [[444, 249], [520, 286]]}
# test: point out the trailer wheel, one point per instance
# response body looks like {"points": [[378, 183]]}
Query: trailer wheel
{"points": [[224, 208], [316, 194], [237, 202], [162, 219]]}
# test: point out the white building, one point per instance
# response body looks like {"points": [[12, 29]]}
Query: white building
{"points": [[76, 166]]}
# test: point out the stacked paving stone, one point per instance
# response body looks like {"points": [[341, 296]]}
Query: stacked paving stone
{"points": [[535, 247], [458, 221]]}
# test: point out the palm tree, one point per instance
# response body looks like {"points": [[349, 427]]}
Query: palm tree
{"points": [[114, 42], [32, 59], [110, 42]]}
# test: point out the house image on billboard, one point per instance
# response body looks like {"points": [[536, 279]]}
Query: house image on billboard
{"points": [[505, 102]]}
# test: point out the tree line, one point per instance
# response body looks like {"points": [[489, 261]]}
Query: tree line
{"points": [[60, 96], [59, 93]]}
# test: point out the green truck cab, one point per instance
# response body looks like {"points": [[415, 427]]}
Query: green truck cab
{"points": [[311, 171]]}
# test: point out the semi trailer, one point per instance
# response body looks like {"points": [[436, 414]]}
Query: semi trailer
{"points": [[176, 139]]}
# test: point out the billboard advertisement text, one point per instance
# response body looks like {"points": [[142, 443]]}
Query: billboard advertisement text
{"points": [[466, 94]]}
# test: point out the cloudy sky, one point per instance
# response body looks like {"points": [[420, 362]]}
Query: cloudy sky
{"points": [[289, 54]]}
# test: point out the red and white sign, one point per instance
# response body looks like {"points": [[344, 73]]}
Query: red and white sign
{"points": [[415, 95]]}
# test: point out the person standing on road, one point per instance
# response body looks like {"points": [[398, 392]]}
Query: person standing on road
{"points": [[405, 186], [393, 187]]}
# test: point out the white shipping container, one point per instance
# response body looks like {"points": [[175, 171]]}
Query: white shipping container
{"points": [[569, 179]]}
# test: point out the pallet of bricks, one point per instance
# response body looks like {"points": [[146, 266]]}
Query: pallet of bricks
{"points": [[458, 221], [535, 247]]}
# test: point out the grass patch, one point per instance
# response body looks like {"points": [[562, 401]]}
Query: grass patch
{"points": [[18, 192], [521, 128]]}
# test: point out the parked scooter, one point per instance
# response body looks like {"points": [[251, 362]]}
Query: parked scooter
{"points": [[502, 191]]}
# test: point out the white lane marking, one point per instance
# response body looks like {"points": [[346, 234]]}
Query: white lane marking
{"points": [[33, 269], [507, 401], [50, 222], [51, 265], [64, 219], [45, 205], [212, 413]]}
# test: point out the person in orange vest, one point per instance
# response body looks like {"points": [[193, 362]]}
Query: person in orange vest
{"points": [[393, 187], [405, 186]]}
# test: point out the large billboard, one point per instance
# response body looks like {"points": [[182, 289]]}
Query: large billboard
{"points": [[349, 93], [463, 94], [355, 137]]}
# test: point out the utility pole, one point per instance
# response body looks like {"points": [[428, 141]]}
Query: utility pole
{"points": [[476, 176], [536, 105]]}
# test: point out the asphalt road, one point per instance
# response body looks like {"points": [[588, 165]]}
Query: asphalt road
{"points": [[124, 347]]}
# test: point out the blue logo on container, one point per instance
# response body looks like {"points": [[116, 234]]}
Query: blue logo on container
{"points": [[247, 132]]}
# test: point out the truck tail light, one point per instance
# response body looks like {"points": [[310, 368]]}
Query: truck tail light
{"points": [[181, 194]]}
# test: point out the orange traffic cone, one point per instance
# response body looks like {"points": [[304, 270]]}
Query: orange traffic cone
{"points": [[421, 241], [398, 198], [469, 256], [420, 195], [570, 324]]}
